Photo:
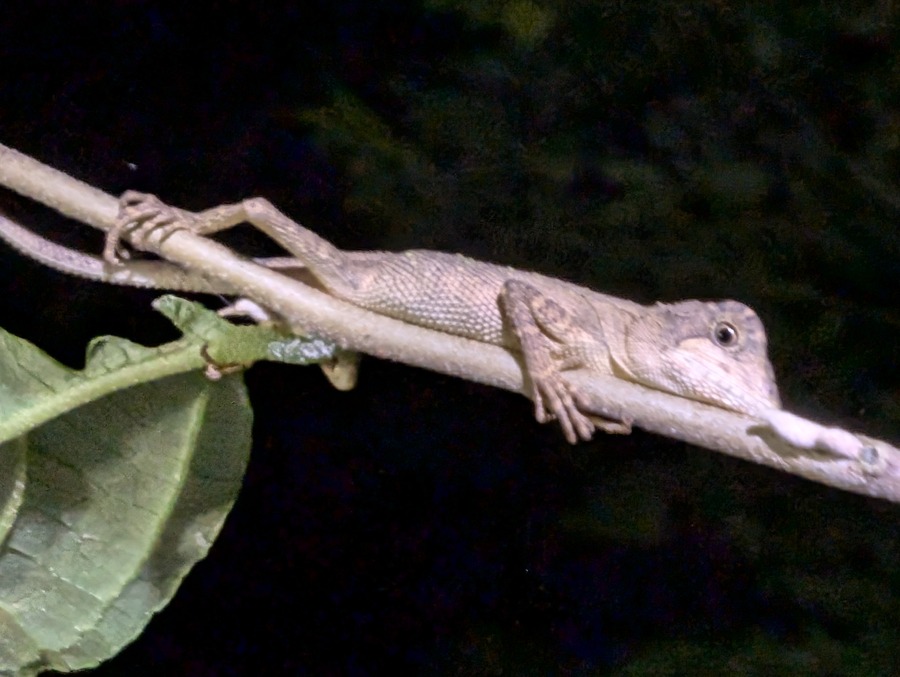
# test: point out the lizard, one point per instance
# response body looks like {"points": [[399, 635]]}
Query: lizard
{"points": [[709, 351]]}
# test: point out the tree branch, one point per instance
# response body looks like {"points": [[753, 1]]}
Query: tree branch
{"points": [[781, 441]]}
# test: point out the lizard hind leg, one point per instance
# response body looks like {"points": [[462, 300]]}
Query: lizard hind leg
{"points": [[141, 213], [528, 310]]}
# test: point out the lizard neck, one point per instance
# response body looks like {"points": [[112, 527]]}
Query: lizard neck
{"points": [[617, 324]]}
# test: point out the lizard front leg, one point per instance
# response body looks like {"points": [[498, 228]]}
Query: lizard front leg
{"points": [[528, 311]]}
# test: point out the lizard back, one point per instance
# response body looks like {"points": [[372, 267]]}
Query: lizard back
{"points": [[448, 292]]}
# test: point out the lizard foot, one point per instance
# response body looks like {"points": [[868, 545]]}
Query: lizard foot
{"points": [[556, 399], [139, 215]]}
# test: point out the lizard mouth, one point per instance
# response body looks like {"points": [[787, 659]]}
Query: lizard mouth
{"points": [[747, 387], [697, 371]]}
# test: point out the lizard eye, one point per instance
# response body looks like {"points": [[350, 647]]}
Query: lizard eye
{"points": [[725, 334]]}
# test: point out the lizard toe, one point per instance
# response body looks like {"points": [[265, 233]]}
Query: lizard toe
{"points": [[164, 224], [576, 426], [132, 197], [113, 251], [555, 399], [583, 425]]}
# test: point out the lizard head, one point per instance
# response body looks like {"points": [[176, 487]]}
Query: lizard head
{"points": [[714, 352]]}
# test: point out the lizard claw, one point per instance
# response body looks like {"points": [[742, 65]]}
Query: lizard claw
{"points": [[556, 399], [139, 215]]}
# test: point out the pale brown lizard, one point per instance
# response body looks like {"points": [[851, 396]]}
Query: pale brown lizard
{"points": [[776, 439], [713, 352]]}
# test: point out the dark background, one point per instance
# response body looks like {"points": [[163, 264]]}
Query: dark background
{"points": [[653, 150]]}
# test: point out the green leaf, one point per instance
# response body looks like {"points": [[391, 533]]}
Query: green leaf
{"points": [[34, 388], [116, 479], [124, 496], [12, 483]]}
